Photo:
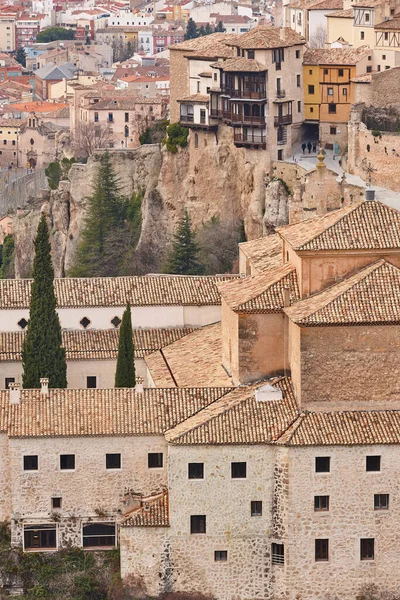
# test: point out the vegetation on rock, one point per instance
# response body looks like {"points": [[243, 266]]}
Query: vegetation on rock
{"points": [[218, 242], [56, 171], [7, 258], [42, 354], [184, 256], [155, 133], [125, 374], [176, 136], [54, 33]]}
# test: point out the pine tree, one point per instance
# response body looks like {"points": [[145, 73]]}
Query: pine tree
{"points": [[102, 226], [42, 354], [191, 30], [202, 31], [183, 257], [21, 57], [7, 270], [125, 373], [219, 28], [208, 29]]}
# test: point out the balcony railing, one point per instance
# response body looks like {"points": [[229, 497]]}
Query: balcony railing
{"points": [[226, 114], [238, 118], [245, 94], [251, 138], [278, 559], [283, 120], [280, 93], [216, 113], [186, 118]]}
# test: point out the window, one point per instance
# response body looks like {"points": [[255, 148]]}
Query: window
{"points": [[238, 470], [321, 503], [113, 461], [40, 537], [97, 535], [310, 71], [56, 502], [311, 109], [340, 72], [96, 117], [387, 67], [369, 69], [299, 106], [311, 89], [298, 80], [321, 550], [7, 382], [116, 321], [85, 322], [5, 142], [126, 132], [381, 501], [202, 115], [373, 463], [332, 130], [221, 555], [332, 109], [91, 381], [326, 71], [322, 464], [330, 91], [110, 117], [344, 91], [13, 142], [155, 460], [280, 154], [383, 56], [369, 57], [367, 17], [256, 508], [198, 86], [67, 462], [215, 76], [367, 549], [198, 524], [297, 53], [362, 35], [31, 462], [126, 117], [250, 54], [196, 470], [31, 141], [379, 67], [278, 554]]}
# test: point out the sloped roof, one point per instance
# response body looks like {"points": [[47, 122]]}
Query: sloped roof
{"points": [[56, 72], [372, 296], [238, 418], [262, 293], [149, 290], [266, 37], [214, 45], [335, 56], [237, 64], [191, 361], [264, 253], [154, 512], [392, 24], [365, 225], [341, 14]]}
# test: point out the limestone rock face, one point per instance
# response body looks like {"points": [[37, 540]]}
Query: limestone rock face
{"points": [[276, 206]]}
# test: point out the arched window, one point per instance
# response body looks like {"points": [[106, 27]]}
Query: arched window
{"points": [[31, 141], [196, 140]]}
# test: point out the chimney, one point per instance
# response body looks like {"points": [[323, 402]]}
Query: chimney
{"points": [[267, 393], [14, 393], [369, 194], [139, 387], [44, 386]]}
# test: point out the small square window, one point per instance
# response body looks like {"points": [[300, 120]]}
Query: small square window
{"points": [[310, 71], [116, 321], [198, 524], [221, 555], [85, 322], [326, 71], [256, 508], [321, 550], [7, 382], [278, 554], [297, 53], [113, 461], [238, 470], [332, 130], [321, 503], [67, 462], [373, 463], [383, 56], [381, 501], [311, 89], [362, 35], [22, 323], [311, 110], [91, 382], [332, 109], [56, 502], [367, 549], [369, 69], [155, 460], [31, 463], [322, 464], [196, 470], [340, 72], [250, 54], [330, 91]]}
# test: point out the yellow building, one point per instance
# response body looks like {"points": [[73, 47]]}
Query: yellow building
{"points": [[329, 91]]}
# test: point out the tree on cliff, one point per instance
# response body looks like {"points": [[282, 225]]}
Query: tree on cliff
{"points": [[7, 270], [183, 258], [42, 354], [89, 137], [103, 227], [125, 373], [191, 30]]}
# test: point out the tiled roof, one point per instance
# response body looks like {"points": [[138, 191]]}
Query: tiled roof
{"points": [[392, 24], [346, 428], [341, 14], [96, 344], [214, 45], [262, 293], [103, 412], [154, 512], [264, 253], [326, 5], [149, 290], [364, 225], [238, 418], [335, 56], [191, 361], [201, 98], [372, 296], [364, 78], [265, 37], [234, 65]]}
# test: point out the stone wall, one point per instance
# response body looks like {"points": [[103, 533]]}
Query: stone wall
{"points": [[5, 491]]}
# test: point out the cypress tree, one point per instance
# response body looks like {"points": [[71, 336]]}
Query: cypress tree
{"points": [[191, 30], [183, 257], [42, 354], [125, 373]]}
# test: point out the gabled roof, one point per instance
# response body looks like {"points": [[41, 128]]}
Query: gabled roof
{"points": [[264, 253], [335, 56], [341, 14], [238, 418], [268, 37], [56, 72], [154, 512], [237, 64], [372, 296], [214, 45], [392, 24], [262, 293], [366, 225]]}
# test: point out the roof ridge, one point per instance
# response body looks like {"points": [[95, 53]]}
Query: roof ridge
{"points": [[279, 276], [294, 425], [346, 212]]}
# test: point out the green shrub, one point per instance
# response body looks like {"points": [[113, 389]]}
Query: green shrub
{"points": [[176, 136]]}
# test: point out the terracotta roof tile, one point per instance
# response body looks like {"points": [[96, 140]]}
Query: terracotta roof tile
{"points": [[202, 98], [238, 418], [364, 225], [342, 14], [191, 361], [150, 290], [265, 37], [103, 412], [154, 512], [214, 45], [264, 253], [335, 56], [392, 24], [234, 65], [96, 344], [372, 296], [262, 293]]}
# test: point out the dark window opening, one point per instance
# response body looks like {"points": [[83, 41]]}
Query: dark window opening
{"points": [[116, 321], [298, 80], [155, 460], [321, 550], [40, 537], [250, 54], [381, 501], [332, 130], [31, 463], [278, 554], [332, 108], [196, 470], [311, 89], [297, 53], [99, 535], [126, 117], [56, 502], [9, 380], [321, 503], [340, 72], [113, 461], [198, 524], [367, 549], [373, 463], [85, 322], [221, 555], [91, 382], [67, 462], [22, 323], [256, 508], [280, 154], [322, 464], [238, 470]]}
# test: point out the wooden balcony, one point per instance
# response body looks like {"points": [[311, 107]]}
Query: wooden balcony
{"points": [[247, 119], [216, 113], [245, 94], [186, 119], [283, 120], [251, 138]]}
